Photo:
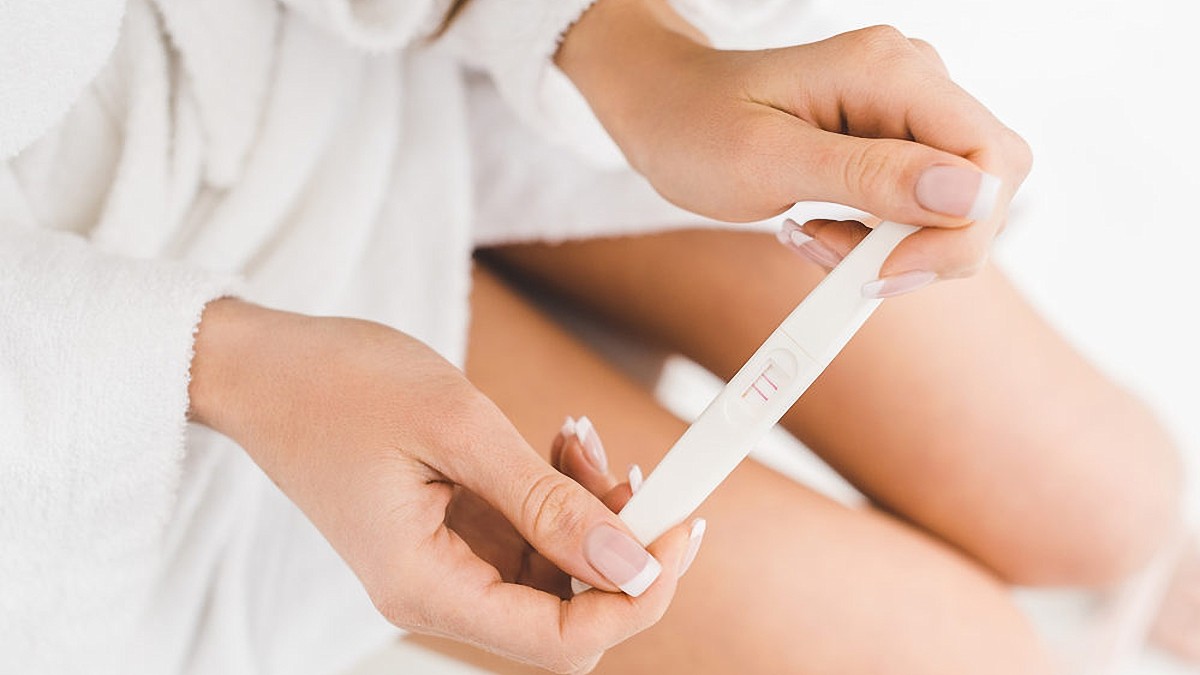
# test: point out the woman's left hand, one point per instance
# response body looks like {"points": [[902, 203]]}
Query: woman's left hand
{"points": [[870, 119]]}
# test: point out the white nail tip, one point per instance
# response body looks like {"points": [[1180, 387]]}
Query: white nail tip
{"points": [[639, 583], [986, 198], [897, 285], [568, 428], [578, 586], [583, 428], [798, 238], [635, 478], [698, 529]]}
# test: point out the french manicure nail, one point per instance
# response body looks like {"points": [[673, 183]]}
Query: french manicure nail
{"points": [[593, 449], [958, 191], [568, 428], [695, 536], [620, 559], [578, 586], [796, 239], [899, 284], [635, 478]]}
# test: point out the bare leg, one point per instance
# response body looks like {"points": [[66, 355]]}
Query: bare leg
{"points": [[787, 581], [956, 408]]}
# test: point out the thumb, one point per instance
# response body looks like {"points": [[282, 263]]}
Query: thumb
{"points": [[562, 520], [893, 179]]}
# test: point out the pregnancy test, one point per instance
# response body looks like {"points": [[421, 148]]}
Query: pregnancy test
{"points": [[763, 390]]}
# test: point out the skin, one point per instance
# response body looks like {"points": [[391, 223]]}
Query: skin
{"points": [[961, 361], [743, 135], [804, 577], [457, 527], [954, 533], [379, 440]]}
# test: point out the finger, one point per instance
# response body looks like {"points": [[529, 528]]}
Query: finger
{"points": [[538, 572], [586, 462], [905, 93], [544, 574], [924, 257], [557, 516], [823, 242], [616, 498], [582, 456], [472, 604], [946, 117], [898, 180], [944, 254]]}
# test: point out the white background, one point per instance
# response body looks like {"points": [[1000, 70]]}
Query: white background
{"points": [[1105, 234]]}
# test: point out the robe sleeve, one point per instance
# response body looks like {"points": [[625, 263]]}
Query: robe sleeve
{"points": [[95, 351], [514, 42]]}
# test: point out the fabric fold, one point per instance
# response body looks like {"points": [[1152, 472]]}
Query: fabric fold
{"points": [[514, 42], [374, 25], [49, 51]]}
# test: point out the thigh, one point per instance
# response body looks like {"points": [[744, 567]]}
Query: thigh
{"points": [[786, 581], [957, 407]]}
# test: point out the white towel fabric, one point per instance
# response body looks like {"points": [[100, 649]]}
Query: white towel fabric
{"points": [[152, 152], [49, 51]]}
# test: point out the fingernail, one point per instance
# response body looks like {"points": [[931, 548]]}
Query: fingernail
{"points": [[568, 428], [796, 239], [620, 559], [635, 478], [695, 536], [593, 449], [578, 586], [899, 284], [958, 191]]}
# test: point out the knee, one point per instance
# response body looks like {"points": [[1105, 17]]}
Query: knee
{"points": [[1105, 523]]}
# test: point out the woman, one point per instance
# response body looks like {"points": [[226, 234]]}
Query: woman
{"points": [[319, 151]]}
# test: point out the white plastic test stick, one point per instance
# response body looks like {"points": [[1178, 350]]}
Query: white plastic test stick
{"points": [[763, 390]]}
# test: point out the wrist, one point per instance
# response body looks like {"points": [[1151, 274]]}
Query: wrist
{"points": [[620, 55], [225, 342]]}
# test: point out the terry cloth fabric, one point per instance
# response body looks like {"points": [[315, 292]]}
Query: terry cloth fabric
{"points": [[320, 156]]}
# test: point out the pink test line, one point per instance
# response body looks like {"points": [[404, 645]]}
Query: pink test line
{"points": [[773, 385]]}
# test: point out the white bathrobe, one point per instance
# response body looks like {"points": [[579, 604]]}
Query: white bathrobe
{"points": [[320, 156]]}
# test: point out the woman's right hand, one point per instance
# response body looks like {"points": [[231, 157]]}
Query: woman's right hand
{"points": [[376, 438]]}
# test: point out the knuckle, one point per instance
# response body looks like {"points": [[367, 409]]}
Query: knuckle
{"points": [[548, 508], [1019, 152], [922, 45], [970, 257], [926, 49], [883, 43], [869, 169]]}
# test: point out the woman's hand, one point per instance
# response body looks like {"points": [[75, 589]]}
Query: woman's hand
{"points": [[389, 450], [572, 453], [578, 453], [869, 119]]}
